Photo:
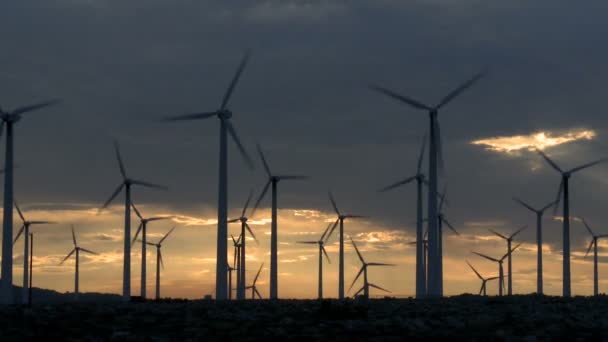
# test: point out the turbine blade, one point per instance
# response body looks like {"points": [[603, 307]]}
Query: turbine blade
{"points": [[444, 220], [238, 143], [247, 203], [356, 293], [160, 257], [397, 184], [41, 222], [34, 107], [69, 255], [379, 264], [251, 232], [235, 79], [308, 242], [149, 185], [497, 233], [136, 211], [378, 287], [88, 251], [74, 237], [255, 289], [355, 216], [454, 93], [584, 166], [233, 240], [159, 218], [589, 249], [121, 165], [474, 270], [559, 196], [357, 250], [261, 197], [549, 161], [166, 235], [258, 274], [192, 116], [264, 162], [116, 192], [325, 231], [357, 277], [518, 231], [325, 252], [399, 97], [587, 226], [293, 177], [511, 251], [333, 203], [547, 206], [137, 232], [149, 243], [19, 234], [19, 211], [332, 229], [421, 156], [439, 143], [529, 207], [442, 198], [485, 256]]}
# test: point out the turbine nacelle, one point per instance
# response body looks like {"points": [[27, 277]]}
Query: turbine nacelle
{"points": [[224, 114]]}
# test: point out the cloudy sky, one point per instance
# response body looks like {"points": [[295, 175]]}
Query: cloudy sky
{"points": [[119, 66]]}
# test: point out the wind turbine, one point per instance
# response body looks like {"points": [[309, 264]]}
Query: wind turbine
{"points": [[484, 281], [365, 265], [509, 240], [143, 224], [126, 184], [563, 188], [441, 220], [77, 249], [240, 287], [340, 220], [420, 262], [273, 180], [254, 289], [593, 243], [425, 245], [322, 251], [236, 265], [226, 127], [25, 231], [435, 155], [539, 241], [10, 118], [159, 260], [501, 283]]}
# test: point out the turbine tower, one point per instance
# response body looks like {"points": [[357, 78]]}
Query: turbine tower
{"points": [[254, 289], [593, 243], [25, 230], [77, 249], [159, 260], [340, 220], [509, 240], [226, 127], [236, 265], [441, 220], [539, 241], [484, 281], [435, 155], [563, 188], [126, 184], [241, 276], [273, 180], [143, 224], [420, 263], [363, 270], [322, 251], [501, 283], [10, 118]]}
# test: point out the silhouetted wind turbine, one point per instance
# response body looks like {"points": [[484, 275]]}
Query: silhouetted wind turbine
{"points": [[425, 245], [509, 240], [539, 241], [241, 277], [322, 251], [236, 266], [142, 228], [593, 243], [273, 180], [126, 184], [10, 118], [501, 283], [420, 264], [484, 281], [440, 221], [159, 260], [25, 230], [77, 249], [365, 265], [563, 188], [226, 127], [435, 154], [254, 289], [340, 220]]}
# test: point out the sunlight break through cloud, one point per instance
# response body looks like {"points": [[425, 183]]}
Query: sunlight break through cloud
{"points": [[540, 140]]}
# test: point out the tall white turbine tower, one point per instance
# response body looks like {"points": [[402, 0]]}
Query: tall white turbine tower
{"points": [[435, 155], [77, 249], [563, 188], [273, 180], [539, 241], [126, 184], [226, 128], [143, 225], [10, 118], [340, 220], [420, 251], [25, 231]]}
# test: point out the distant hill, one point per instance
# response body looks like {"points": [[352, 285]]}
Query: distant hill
{"points": [[46, 296]]}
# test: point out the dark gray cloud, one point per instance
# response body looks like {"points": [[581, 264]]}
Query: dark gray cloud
{"points": [[121, 65]]}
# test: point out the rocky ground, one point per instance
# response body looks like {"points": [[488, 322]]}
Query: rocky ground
{"points": [[464, 317]]}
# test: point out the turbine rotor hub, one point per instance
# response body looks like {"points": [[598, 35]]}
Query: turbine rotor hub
{"points": [[225, 114]]}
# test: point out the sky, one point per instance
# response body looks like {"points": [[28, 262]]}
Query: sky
{"points": [[121, 66]]}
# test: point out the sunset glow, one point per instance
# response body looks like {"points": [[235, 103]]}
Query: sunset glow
{"points": [[540, 140]]}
